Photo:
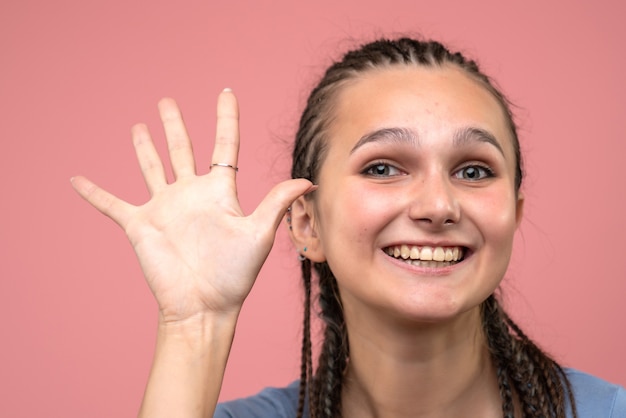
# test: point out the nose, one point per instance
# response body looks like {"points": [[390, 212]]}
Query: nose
{"points": [[434, 202]]}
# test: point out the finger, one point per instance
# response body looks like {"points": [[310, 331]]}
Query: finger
{"points": [[105, 202], [226, 149], [149, 160], [178, 143], [273, 207]]}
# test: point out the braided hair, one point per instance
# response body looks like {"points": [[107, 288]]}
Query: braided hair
{"points": [[524, 372]]}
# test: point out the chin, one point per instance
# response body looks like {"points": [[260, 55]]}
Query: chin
{"points": [[435, 311]]}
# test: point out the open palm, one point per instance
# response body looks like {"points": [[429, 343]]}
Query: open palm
{"points": [[198, 251]]}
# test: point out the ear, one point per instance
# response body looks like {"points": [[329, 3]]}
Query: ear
{"points": [[519, 209], [303, 231]]}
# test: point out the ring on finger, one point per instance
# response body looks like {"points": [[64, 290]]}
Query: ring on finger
{"points": [[225, 165]]}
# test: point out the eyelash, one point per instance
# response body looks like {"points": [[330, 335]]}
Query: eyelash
{"points": [[484, 171], [381, 164], [487, 172]]}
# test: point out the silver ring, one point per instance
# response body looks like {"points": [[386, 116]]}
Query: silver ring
{"points": [[225, 165]]}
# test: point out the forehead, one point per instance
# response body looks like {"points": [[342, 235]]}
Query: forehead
{"points": [[428, 100]]}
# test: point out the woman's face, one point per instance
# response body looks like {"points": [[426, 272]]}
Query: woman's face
{"points": [[416, 207]]}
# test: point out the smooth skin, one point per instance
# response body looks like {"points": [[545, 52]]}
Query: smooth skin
{"points": [[184, 237], [417, 156]]}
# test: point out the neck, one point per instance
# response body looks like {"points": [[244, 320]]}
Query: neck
{"points": [[433, 370]]}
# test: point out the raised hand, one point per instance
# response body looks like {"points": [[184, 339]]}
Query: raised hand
{"points": [[198, 251]]}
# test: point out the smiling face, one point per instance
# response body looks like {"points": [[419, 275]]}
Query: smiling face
{"points": [[416, 207]]}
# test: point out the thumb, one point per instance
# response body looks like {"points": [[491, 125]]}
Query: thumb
{"points": [[272, 208]]}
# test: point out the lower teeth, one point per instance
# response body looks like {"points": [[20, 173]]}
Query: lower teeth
{"points": [[430, 264]]}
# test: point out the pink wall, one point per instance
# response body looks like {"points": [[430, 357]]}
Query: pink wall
{"points": [[77, 320]]}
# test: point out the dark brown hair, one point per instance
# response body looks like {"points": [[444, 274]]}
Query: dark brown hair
{"points": [[523, 370]]}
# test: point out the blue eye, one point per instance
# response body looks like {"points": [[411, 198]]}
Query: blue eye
{"points": [[382, 170], [474, 172]]}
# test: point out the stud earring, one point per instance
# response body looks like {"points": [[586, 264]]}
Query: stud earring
{"points": [[289, 218], [301, 257]]}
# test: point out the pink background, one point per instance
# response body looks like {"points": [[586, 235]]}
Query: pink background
{"points": [[77, 321]]}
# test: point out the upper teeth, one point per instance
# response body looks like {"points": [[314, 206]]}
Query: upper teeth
{"points": [[425, 252]]}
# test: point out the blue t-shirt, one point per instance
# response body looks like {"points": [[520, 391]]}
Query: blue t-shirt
{"points": [[595, 398]]}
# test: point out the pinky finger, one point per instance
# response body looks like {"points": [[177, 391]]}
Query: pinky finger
{"points": [[108, 204]]}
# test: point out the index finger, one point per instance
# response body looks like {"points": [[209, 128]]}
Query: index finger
{"points": [[226, 149]]}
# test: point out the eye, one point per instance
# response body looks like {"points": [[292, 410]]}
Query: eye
{"points": [[382, 169], [474, 172]]}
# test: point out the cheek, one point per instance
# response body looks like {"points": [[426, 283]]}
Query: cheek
{"points": [[495, 215], [353, 212]]}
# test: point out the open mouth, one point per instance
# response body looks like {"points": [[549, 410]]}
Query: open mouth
{"points": [[425, 256]]}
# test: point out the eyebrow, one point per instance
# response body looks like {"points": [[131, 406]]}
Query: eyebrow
{"points": [[462, 137], [394, 135], [466, 135]]}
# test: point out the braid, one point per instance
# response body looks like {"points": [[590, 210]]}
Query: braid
{"points": [[498, 338], [333, 358], [538, 381], [306, 367], [324, 388]]}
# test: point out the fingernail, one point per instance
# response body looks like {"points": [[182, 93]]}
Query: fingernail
{"points": [[313, 188], [227, 90]]}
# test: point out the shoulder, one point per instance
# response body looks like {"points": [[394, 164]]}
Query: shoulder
{"points": [[269, 403], [596, 397]]}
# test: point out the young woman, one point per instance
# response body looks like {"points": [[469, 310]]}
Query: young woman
{"points": [[403, 206]]}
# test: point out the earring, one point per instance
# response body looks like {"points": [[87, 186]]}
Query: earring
{"points": [[289, 218], [301, 257]]}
